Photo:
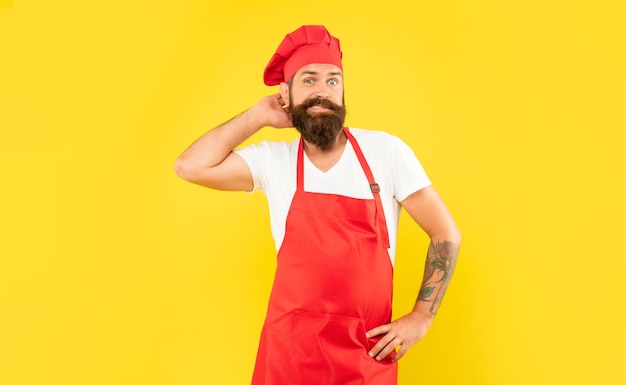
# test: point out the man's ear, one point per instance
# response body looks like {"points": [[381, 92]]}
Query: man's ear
{"points": [[284, 93]]}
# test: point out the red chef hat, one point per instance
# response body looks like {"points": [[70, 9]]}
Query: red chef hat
{"points": [[306, 45]]}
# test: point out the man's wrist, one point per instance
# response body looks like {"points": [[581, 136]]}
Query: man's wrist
{"points": [[424, 309], [253, 119]]}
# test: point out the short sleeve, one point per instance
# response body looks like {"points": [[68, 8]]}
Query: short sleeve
{"points": [[409, 175], [254, 157], [270, 165]]}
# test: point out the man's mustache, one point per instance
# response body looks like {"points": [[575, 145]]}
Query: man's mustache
{"points": [[320, 102]]}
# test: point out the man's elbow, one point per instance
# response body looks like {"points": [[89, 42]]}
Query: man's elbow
{"points": [[450, 233], [203, 176], [185, 170], [232, 174], [454, 234]]}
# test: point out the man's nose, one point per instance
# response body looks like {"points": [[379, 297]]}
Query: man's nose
{"points": [[322, 92]]}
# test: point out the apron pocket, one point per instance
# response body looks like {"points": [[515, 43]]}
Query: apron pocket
{"points": [[327, 349]]}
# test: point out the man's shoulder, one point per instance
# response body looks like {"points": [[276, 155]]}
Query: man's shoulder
{"points": [[369, 134], [373, 137]]}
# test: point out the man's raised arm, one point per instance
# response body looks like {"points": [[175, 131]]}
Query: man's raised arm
{"points": [[210, 160]]}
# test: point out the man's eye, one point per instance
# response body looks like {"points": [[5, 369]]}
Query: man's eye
{"points": [[309, 81], [332, 82]]}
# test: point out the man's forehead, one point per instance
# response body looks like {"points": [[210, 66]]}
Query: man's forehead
{"points": [[320, 69]]}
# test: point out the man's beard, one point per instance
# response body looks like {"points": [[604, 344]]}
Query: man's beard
{"points": [[321, 128]]}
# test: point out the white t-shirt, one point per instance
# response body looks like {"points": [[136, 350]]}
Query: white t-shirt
{"points": [[394, 166]]}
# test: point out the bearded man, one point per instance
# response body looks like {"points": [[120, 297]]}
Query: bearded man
{"points": [[335, 196]]}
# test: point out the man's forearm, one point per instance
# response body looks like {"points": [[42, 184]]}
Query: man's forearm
{"points": [[440, 263], [214, 146], [410, 328]]}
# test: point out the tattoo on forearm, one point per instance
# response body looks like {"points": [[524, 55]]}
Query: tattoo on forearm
{"points": [[440, 263]]}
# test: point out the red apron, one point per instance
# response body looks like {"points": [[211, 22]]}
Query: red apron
{"points": [[333, 283]]}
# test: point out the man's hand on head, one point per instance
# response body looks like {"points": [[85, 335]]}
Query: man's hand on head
{"points": [[271, 111]]}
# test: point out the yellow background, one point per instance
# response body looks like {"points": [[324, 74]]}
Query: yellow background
{"points": [[113, 271]]}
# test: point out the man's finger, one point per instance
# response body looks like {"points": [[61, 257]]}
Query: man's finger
{"points": [[378, 330], [400, 353], [390, 347], [380, 345]]}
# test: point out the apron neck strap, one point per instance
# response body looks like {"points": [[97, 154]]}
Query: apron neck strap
{"points": [[300, 166], [380, 214]]}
